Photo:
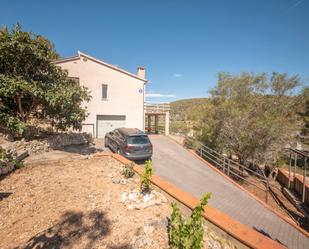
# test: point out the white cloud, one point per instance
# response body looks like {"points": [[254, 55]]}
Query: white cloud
{"points": [[177, 75], [159, 95]]}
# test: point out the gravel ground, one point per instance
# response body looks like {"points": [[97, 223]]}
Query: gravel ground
{"points": [[78, 201], [74, 204]]}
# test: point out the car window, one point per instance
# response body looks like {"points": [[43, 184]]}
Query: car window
{"points": [[137, 140]]}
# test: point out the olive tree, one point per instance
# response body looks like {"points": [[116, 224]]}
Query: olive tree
{"points": [[252, 116]]}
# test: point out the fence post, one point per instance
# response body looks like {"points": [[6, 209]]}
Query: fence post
{"points": [[223, 169], [228, 167], [304, 181], [290, 167], [267, 189]]}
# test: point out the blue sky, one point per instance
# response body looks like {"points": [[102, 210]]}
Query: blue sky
{"points": [[182, 44]]}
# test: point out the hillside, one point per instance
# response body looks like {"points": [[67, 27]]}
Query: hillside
{"points": [[187, 113]]}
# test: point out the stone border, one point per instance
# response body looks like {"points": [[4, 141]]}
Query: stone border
{"points": [[288, 220], [243, 234]]}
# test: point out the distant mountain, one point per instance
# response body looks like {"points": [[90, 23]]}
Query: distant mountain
{"points": [[187, 114]]}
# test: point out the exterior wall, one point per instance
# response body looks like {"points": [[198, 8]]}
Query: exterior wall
{"points": [[125, 94]]}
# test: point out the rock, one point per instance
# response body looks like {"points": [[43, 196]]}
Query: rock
{"points": [[124, 197], [148, 229], [21, 155], [137, 206], [158, 202], [130, 207], [123, 181], [116, 181], [147, 197]]}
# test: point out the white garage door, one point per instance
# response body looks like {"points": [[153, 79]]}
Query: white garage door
{"points": [[107, 123]]}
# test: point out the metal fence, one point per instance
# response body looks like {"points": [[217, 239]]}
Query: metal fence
{"points": [[230, 167]]}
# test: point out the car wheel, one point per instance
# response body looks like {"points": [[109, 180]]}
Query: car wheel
{"points": [[105, 143]]}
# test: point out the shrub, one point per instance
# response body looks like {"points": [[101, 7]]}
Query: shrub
{"points": [[187, 233], [128, 171], [145, 177]]}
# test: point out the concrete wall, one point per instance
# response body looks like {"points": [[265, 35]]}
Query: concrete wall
{"points": [[125, 94]]}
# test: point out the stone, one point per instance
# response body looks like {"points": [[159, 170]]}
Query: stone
{"points": [[116, 181], [130, 207], [137, 206], [124, 197], [21, 155], [148, 229], [147, 197], [123, 181], [158, 202]]}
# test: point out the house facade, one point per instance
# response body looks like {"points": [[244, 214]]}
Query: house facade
{"points": [[117, 95]]}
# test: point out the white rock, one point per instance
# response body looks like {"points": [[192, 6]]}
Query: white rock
{"points": [[147, 198], [124, 197], [123, 181], [130, 207]]}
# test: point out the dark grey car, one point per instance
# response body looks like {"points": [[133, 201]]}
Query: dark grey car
{"points": [[129, 142]]}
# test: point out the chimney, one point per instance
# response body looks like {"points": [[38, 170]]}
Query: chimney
{"points": [[141, 72]]}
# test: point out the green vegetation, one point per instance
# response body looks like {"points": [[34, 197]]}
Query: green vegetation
{"points": [[32, 87], [187, 233], [7, 158], [252, 116], [187, 114], [305, 117], [145, 177], [128, 171]]}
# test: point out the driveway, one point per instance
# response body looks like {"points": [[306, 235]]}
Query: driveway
{"points": [[172, 162]]}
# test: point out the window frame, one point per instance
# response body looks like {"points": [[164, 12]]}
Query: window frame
{"points": [[102, 91]]}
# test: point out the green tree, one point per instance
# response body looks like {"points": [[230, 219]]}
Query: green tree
{"points": [[305, 116], [252, 116], [33, 87]]}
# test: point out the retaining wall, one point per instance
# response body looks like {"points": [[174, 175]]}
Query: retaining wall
{"points": [[296, 183]]}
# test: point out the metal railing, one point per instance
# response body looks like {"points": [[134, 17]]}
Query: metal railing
{"points": [[230, 167], [157, 108]]}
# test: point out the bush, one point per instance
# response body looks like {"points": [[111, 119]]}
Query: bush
{"points": [[187, 233], [128, 171], [8, 162], [145, 177]]}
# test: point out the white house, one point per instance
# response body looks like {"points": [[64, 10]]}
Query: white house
{"points": [[117, 95]]}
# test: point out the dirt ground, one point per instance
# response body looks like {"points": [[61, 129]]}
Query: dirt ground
{"points": [[277, 200], [72, 203]]}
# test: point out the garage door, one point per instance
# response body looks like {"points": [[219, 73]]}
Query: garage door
{"points": [[107, 123]]}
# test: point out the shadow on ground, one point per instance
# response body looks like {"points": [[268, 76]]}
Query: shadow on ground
{"points": [[73, 229], [4, 195], [267, 234]]}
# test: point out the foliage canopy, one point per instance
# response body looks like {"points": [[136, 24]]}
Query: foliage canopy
{"points": [[252, 116], [32, 86]]}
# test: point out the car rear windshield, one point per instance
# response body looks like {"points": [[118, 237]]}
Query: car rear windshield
{"points": [[137, 140]]}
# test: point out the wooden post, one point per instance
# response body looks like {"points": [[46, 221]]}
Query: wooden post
{"points": [[228, 167], [295, 165], [290, 166], [156, 123], [149, 123], [304, 181], [167, 123]]}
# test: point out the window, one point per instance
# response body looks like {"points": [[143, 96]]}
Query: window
{"points": [[104, 91], [137, 140]]}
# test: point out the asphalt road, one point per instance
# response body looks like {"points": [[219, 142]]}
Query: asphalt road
{"points": [[172, 162]]}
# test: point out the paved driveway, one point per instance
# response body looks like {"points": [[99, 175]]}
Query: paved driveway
{"points": [[180, 167]]}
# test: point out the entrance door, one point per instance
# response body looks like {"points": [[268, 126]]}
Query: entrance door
{"points": [[107, 123]]}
